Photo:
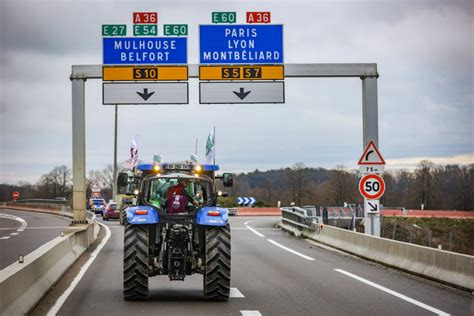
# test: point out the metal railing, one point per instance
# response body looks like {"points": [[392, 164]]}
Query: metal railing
{"points": [[303, 217], [299, 217]]}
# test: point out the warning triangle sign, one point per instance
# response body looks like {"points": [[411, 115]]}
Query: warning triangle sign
{"points": [[371, 156]]}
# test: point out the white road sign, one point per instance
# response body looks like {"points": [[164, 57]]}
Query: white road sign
{"points": [[372, 206], [371, 160], [371, 186], [145, 93], [241, 92]]}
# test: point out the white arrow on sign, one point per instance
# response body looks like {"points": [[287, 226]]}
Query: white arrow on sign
{"points": [[145, 93], [372, 206], [225, 92], [252, 200]]}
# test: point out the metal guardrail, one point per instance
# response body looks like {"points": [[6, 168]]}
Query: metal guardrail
{"points": [[343, 217], [43, 201], [298, 216]]}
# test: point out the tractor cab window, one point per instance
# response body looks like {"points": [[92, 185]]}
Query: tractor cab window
{"points": [[178, 194]]}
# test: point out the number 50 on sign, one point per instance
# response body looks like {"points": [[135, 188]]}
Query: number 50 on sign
{"points": [[372, 186]]}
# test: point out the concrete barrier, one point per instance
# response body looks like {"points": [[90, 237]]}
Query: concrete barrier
{"points": [[450, 268], [22, 285]]}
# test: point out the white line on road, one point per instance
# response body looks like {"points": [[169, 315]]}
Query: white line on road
{"points": [[57, 306], [250, 313], [254, 231], [290, 250], [235, 293], [3, 238], [22, 222], [13, 234], [403, 297], [29, 227]]}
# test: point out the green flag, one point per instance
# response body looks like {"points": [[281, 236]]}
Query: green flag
{"points": [[211, 147]]}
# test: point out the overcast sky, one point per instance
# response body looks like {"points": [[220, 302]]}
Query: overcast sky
{"points": [[424, 51]]}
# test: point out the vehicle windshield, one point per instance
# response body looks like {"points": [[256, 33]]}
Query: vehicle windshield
{"points": [[192, 192]]}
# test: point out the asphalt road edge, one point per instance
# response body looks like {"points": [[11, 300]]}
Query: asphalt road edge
{"points": [[22, 285]]}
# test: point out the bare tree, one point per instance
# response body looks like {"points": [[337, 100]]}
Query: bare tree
{"points": [[298, 182], [424, 183], [56, 183]]}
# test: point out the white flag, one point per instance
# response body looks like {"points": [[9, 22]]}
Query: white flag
{"points": [[132, 162], [211, 147]]}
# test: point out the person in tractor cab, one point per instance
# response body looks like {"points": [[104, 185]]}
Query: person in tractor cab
{"points": [[177, 197]]}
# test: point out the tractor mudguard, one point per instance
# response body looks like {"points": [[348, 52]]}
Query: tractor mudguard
{"points": [[151, 216], [212, 216]]}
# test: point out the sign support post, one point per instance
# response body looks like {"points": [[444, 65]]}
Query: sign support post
{"points": [[78, 150]]}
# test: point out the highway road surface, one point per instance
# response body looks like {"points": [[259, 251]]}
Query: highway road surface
{"points": [[22, 232], [273, 273]]}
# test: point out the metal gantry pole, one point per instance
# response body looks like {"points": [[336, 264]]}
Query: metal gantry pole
{"points": [[370, 124], [114, 184], [78, 151]]}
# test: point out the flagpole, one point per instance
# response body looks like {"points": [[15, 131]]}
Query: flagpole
{"points": [[196, 148], [214, 132]]}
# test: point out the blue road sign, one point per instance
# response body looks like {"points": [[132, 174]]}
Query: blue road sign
{"points": [[145, 50], [241, 44], [246, 200]]}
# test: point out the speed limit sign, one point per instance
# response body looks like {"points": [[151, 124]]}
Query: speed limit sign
{"points": [[372, 186]]}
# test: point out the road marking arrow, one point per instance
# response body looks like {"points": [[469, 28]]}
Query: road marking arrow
{"points": [[145, 95], [242, 95]]}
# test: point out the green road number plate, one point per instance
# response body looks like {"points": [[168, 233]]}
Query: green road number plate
{"points": [[175, 29], [145, 30], [224, 17], [114, 30]]}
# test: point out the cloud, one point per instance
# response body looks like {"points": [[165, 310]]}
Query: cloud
{"points": [[424, 51]]}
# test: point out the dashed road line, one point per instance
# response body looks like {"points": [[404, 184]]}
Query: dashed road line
{"points": [[254, 231], [250, 313], [401, 296], [290, 250], [235, 293], [22, 222]]}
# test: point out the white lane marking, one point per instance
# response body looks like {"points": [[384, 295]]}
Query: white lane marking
{"points": [[235, 293], [290, 250], [403, 297], [254, 231], [261, 228], [59, 303], [3, 238], [22, 222], [250, 313]]}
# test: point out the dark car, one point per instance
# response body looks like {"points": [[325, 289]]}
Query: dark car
{"points": [[111, 211], [96, 205]]}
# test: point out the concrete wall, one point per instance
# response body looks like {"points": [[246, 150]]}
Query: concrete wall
{"points": [[447, 267], [22, 285]]}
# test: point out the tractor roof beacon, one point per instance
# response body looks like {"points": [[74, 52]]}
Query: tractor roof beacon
{"points": [[175, 228]]}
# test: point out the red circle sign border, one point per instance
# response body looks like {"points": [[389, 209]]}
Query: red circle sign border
{"points": [[378, 194]]}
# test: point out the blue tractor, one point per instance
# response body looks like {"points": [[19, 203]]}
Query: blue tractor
{"points": [[176, 229]]}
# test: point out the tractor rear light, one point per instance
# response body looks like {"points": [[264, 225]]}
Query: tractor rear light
{"points": [[213, 213], [141, 212]]}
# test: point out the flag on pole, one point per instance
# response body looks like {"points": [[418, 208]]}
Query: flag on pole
{"points": [[211, 147], [132, 162]]}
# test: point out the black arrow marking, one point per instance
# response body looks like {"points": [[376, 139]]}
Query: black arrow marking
{"points": [[373, 208], [242, 95], [145, 95], [368, 154]]}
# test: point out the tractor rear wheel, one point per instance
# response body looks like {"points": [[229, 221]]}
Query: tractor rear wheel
{"points": [[135, 262], [218, 263]]}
